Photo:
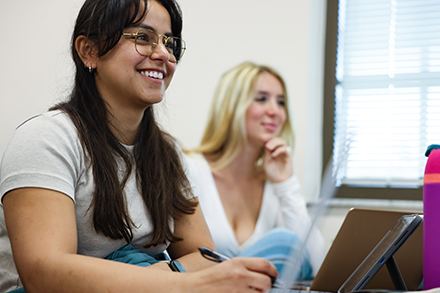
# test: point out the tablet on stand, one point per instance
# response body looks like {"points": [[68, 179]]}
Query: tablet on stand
{"points": [[383, 254]]}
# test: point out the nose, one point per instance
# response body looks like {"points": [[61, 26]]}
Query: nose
{"points": [[160, 52], [272, 107]]}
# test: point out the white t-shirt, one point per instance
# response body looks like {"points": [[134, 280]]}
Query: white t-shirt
{"points": [[282, 206], [45, 152]]}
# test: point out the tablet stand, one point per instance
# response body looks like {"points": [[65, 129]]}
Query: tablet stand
{"points": [[395, 275]]}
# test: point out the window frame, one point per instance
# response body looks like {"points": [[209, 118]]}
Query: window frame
{"points": [[346, 191]]}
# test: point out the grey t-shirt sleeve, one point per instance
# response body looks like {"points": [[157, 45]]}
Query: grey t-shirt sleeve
{"points": [[44, 153]]}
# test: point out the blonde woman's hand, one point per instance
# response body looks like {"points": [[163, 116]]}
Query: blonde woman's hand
{"points": [[239, 274], [278, 161]]}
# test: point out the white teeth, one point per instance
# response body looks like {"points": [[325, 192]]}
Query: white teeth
{"points": [[153, 74]]}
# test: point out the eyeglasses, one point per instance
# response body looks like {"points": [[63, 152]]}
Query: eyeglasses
{"points": [[146, 41]]}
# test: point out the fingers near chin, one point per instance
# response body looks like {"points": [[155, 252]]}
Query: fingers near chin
{"points": [[275, 143], [281, 150]]}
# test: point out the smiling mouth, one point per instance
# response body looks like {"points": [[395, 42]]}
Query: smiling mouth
{"points": [[270, 126], [153, 74]]}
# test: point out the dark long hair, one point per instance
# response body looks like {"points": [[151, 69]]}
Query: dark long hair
{"points": [[160, 176]]}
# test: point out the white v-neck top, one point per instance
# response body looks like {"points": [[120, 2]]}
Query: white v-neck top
{"points": [[282, 206]]}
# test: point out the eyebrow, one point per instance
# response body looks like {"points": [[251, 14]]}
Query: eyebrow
{"points": [[146, 26], [267, 93]]}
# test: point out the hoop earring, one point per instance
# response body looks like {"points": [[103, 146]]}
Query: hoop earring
{"points": [[90, 67]]}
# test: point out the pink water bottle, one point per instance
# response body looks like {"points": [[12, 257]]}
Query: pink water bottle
{"points": [[431, 220]]}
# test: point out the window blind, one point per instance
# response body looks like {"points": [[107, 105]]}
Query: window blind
{"points": [[387, 97]]}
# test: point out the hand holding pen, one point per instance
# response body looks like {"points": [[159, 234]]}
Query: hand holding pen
{"points": [[215, 256]]}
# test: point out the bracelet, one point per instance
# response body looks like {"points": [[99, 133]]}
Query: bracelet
{"points": [[176, 266]]}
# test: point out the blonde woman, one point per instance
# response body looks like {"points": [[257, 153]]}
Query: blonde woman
{"points": [[243, 175]]}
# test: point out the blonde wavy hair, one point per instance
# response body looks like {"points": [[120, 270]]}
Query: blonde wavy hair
{"points": [[225, 134]]}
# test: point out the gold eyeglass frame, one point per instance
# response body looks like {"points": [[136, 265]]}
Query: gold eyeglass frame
{"points": [[154, 45]]}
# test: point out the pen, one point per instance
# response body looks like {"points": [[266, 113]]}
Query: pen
{"points": [[212, 255], [215, 256]]}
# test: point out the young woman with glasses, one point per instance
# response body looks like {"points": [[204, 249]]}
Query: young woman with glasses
{"points": [[243, 175], [95, 177]]}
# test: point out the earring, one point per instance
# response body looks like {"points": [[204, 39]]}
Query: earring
{"points": [[90, 67]]}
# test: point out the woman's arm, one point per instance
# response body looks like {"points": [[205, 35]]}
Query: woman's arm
{"points": [[194, 232], [294, 214], [279, 171], [295, 217], [42, 230]]}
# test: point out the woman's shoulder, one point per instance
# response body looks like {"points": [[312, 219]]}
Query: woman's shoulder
{"points": [[198, 167], [43, 152], [50, 121], [50, 131]]}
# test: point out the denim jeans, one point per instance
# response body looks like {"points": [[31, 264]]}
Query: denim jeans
{"points": [[284, 249]]}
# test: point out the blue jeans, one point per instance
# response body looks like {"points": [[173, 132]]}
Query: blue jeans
{"points": [[283, 248]]}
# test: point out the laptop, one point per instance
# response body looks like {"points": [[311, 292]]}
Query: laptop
{"points": [[358, 236]]}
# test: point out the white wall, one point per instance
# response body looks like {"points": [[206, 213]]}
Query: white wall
{"points": [[35, 66], [36, 71]]}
